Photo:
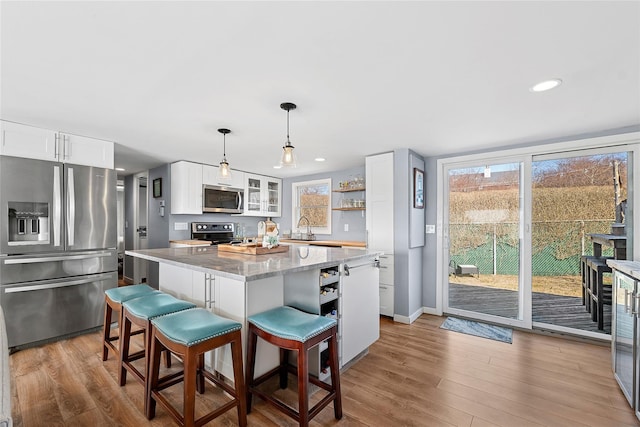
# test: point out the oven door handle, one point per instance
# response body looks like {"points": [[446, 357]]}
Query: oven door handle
{"points": [[58, 284]]}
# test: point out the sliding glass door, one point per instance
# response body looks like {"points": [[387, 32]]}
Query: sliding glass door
{"points": [[576, 195], [485, 242], [517, 227]]}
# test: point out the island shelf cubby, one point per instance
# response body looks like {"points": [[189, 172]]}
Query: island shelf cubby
{"points": [[317, 291]]}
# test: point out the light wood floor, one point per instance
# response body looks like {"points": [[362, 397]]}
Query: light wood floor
{"points": [[415, 375]]}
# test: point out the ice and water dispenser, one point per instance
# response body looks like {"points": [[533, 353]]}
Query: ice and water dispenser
{"points": [[28, 223]]}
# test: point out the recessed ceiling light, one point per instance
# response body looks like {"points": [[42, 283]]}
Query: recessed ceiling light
{"points": [[120, 169], [320, 159], [545, 85], [277, 167]]}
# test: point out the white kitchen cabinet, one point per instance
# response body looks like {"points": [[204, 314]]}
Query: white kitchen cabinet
{"points": [[178, 281], [28, 141], [379, 223], [387, 289], [81, 150], [210, 177], [359, 308], [186, 188], [222, 296], [379, 202], [31, 142], [262, 196]]}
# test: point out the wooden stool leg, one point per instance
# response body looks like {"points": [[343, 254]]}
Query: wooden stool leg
{"points": [[125, 337], [106, 330], [167, 359], [190, 367], [154, 373], [251, 361], [303, 385], [284, 368], [335, 377], [199, 374], [238, 377]]}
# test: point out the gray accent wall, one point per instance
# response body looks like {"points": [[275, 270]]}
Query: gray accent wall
{"points": [[355, 219], [408, 229], [430, 249], [158, 225]]}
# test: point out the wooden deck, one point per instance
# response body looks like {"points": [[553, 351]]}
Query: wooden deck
{"points": [[546, 308]]}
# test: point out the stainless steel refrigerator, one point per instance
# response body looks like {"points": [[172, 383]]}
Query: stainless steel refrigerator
{"points": [[57, 247]]}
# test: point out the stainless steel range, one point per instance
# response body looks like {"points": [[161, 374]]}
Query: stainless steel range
{"points": [[214, 232]]}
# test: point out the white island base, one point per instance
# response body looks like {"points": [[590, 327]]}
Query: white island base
{"points": [[352, 298]]}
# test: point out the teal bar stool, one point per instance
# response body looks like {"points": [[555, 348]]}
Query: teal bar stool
{"points": [[113, 302], [140, 312], [292, 329], [189, 334]]}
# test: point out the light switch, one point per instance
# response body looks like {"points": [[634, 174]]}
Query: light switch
{"points": [[346, 227], [430, 228]]}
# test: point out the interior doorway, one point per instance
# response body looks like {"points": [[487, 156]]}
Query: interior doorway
{"points": [[140, 217]]}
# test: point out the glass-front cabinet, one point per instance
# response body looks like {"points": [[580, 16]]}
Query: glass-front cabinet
{"points": [[262, 196]]}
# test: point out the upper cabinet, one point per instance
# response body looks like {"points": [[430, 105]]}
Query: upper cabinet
{"points": [[262, 196], [186, 188], [379, 202], [81, 150], [31, 142], [210, 177]]}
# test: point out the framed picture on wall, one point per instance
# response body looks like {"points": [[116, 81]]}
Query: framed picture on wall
{"points": [[157, 187], [418, 188]]}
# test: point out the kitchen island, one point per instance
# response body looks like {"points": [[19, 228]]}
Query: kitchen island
{"points": [[336, 282]]}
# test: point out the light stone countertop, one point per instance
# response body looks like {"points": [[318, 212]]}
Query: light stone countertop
{"points": [[246, 267], [630, 268]]}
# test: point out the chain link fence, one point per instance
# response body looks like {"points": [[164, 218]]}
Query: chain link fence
{"points": [[556, 246]]}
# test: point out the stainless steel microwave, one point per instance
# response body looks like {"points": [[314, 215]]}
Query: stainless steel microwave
{"points": [[222, 199]]}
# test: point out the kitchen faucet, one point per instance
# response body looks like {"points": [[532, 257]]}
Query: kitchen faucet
{"points": [[310, 235]]}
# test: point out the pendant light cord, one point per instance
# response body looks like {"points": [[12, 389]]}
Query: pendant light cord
{"points": [[288, 142]]}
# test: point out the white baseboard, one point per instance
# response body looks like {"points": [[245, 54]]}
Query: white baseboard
{"points": [[431, 310], [407, 320]]}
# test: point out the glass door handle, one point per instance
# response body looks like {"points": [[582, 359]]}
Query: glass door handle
{"points": [[626, 301], [634, 307]]}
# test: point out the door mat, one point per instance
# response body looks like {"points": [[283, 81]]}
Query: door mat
{"points": [[483, 330]]}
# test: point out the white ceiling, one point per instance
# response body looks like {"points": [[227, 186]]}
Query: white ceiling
{"points": [[160, 78]]}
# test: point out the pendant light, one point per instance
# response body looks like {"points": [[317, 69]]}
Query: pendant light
{"points": [[224, 171], [288, 157]]}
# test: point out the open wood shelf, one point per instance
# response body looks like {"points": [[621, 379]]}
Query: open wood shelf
{"points": [[349, 190]]}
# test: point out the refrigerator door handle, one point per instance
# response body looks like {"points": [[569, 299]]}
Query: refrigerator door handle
{"points": [[62, 284], [57, 206], [71, 207], [57, 258]]}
